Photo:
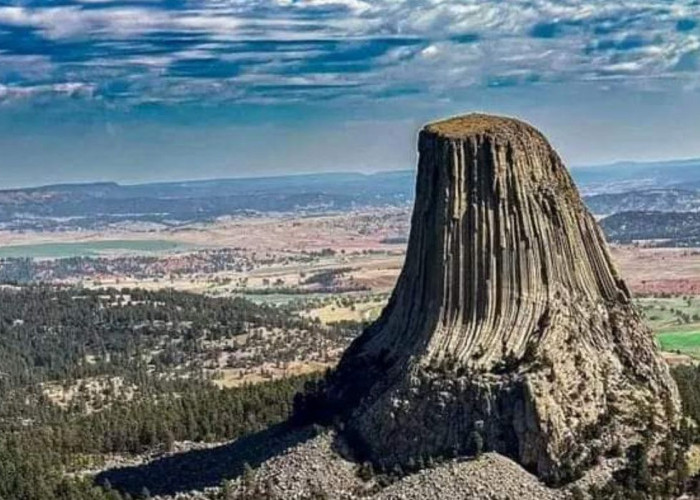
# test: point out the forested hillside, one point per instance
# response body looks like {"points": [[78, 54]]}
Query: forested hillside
{"points": [[87, 374], [676, 229]]}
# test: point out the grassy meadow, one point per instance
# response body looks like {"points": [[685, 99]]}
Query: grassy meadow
{"points": [[676, 321], [86, 249]]}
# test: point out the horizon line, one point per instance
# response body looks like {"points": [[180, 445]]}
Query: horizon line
{"points": [[86, 183]]}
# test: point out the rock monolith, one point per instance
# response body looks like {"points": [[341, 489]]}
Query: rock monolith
{"points": [[509, 328]]}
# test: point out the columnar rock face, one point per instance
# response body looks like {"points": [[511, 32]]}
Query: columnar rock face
{"points": [[508, 320]]}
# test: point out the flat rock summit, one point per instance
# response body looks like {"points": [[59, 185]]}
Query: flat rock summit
{"points": [[509, 331]]}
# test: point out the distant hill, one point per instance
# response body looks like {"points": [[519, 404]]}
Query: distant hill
{"points": [[93, 205], [658, 200], [608, 189], [635, 176], [678, 229]]}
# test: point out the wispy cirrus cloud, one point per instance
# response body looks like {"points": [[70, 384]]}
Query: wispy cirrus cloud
{"points": [[133, 51], [34, 92]]}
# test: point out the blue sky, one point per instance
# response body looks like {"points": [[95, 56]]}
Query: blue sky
{"points": [[137, 90]]}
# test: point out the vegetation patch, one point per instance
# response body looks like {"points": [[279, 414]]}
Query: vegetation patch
{"points": [[676, 320], [84, 249], [683, 342]]}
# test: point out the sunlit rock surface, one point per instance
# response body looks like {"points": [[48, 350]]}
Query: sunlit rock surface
{"points": [[508, 320]]}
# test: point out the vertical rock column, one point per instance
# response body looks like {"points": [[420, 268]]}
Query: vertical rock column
{"points": [[508, 317]]}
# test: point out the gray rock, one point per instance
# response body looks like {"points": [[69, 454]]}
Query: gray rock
{"points": [[508, 311], [295, 475]]}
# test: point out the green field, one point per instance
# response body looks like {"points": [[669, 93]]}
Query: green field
{"points": [[684, 342], [87, 249], [676, 321]]}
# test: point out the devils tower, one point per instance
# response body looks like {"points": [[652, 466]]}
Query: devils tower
{"points": [[508, 321]]}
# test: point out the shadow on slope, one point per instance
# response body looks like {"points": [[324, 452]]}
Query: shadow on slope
{"points": [[199, 469]]}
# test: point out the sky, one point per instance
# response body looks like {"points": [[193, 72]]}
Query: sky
{"points": [[144, 90]]}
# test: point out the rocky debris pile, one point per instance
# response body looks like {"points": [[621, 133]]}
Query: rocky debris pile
{"points": [[310, 468], [314, 469], [491, 477], [509, 325]]}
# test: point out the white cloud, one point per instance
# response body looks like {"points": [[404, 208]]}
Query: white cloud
{"points": [[459, 44], [67, 89]]}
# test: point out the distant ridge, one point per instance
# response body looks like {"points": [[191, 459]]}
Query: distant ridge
{"points": [[668, 172], [660, 163], [67, 186], [289, 178], [96, 205], [630, 175], [606, 189]]}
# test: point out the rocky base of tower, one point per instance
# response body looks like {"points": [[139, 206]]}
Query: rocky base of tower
{"points": [[557, 411]]}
